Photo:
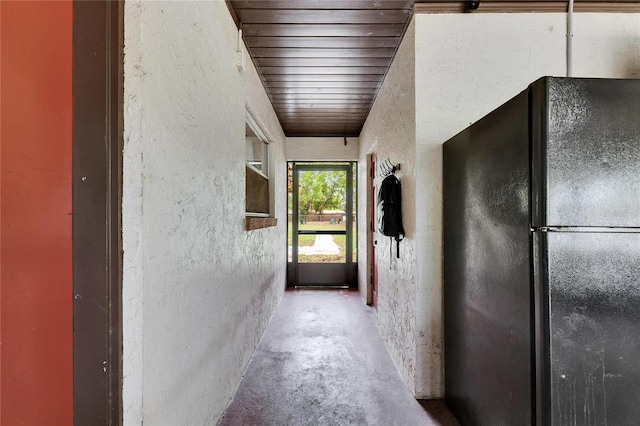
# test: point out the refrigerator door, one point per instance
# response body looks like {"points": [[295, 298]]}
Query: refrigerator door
{"points": [[588, 152], [594, 323], [487, 279]]}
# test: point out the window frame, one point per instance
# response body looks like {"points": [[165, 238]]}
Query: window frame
{"points": [[260, 135], [265, 173]]}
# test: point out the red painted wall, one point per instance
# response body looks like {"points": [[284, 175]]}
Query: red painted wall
{"points": [[36, 354]]}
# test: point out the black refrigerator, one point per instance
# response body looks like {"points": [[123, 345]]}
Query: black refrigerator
{"points": [[542, 258]]}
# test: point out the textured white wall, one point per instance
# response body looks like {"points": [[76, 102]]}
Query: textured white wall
{"points": [[606, 45], [390, 131], [466, 66], [322, 149], [199, 290]]}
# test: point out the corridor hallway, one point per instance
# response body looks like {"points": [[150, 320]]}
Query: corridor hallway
{"points": [[321, 361]]}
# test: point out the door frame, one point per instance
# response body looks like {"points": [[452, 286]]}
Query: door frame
{"points": [[350, 267], [98, 95], [372, 260]]}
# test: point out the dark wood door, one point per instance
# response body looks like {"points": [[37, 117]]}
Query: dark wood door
{"points": [[97, 184], [373, 196]]}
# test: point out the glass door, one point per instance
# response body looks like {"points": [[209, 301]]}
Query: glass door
{"points": [[322, 244]]}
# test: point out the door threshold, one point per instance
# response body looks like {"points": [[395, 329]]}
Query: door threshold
{"points": [[320, 287]]}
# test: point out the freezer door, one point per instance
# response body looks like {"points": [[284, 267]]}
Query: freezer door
{"points": [[486, 270], [591, 164], [594, 323]]}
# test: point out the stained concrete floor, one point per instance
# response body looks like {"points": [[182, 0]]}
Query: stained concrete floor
{"points": [[321, 361]]}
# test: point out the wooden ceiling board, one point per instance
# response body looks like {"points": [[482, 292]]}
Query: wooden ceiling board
{"points": [[325, 126], [287, 115], [313, 103], [297, 52], [314, 107], [314, 121], [325, 129], [322, 4], [323, 71], [332, 127], [326, 135], [321, 128], [325, 85], [333, 109], [322, 131], [324, 120], [334, 16], [321, 42], [321, 125], [327, 78], [314, 96], [317, 103], [275, 91], [322, 30], [322, 61]]}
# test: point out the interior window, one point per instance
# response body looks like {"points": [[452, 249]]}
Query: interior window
{"points": [[256, 151], [257, 170]]}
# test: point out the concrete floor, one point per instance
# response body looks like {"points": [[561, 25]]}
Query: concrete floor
{"points": [[321, 361]]}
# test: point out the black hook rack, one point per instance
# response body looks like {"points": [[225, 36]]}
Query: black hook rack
{"points": [[387, 168]]}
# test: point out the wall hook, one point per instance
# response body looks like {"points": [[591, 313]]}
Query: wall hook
{"points": [[387, 168]]}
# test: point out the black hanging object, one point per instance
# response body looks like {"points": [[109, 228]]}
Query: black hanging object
{"points": [[390, 210], [474, 5]]}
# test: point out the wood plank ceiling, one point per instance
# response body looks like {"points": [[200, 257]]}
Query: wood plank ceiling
{"points": [[322, 61]]}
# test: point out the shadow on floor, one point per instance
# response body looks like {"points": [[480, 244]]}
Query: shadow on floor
{"points": [[439, 412], [321, 361]]}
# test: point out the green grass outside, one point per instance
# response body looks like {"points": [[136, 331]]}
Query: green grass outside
{"points": [[309, 240]]}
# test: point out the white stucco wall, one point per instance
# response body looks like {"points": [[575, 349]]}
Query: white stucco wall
{"points": [[198, 289], [322, 149], [466, 66], [390, 132]]}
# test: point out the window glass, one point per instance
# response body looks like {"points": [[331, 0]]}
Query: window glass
{"points": [[256, 151], [257, 194]]}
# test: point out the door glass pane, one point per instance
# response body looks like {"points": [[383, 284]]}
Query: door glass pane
{"points": [[322, 200], [321, 249]]}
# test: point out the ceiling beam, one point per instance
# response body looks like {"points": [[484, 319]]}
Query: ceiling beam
{"points": [[322, 4]]}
